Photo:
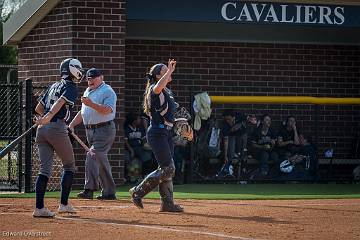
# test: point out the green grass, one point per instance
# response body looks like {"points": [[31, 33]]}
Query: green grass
{"points": [[239, 192]]}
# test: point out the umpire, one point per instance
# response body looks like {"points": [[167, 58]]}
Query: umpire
{"points": [[97, 114]]}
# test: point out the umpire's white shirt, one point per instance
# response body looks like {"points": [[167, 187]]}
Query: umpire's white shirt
{"points": [[103, 95]]}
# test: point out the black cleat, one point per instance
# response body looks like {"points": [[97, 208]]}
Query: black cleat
{"points": [[171, 207], [135, 200], [86, 194]]}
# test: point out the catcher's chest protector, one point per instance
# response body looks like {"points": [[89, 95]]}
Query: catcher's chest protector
{"points": [[162, 107]]}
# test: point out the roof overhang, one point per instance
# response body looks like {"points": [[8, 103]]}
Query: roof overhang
{"points": [[221, 32], [25, 19]]}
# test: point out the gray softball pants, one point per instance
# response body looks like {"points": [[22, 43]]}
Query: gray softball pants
{"points": [[97, 167], [50, 137]]}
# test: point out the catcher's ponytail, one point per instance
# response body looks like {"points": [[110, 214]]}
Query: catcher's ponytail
{"points": [[151, 78], [146, 101]]}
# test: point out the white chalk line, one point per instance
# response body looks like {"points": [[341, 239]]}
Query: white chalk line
{"points": [[220, 235], [159, 228]]}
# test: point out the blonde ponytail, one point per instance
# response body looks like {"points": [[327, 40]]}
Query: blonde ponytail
{"points": [[146, 101], [151, 78]]}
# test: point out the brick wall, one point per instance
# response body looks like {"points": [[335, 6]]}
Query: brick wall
{"points": [[92, 31], [259, 69]]}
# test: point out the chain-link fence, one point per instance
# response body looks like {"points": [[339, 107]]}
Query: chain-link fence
{"points": [[55, 179], [10, 128]]}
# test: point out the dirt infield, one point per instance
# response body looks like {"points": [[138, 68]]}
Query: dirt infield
{"points": [[270, 219]]}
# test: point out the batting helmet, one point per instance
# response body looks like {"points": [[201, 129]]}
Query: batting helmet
{"points": [[286, 166], [71, 67]]}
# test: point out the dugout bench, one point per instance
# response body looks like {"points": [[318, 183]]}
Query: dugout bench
{"points": [[326, 165]]}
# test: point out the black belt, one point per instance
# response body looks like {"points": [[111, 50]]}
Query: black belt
{"points": [[98, 125], [57, 120], [162, 126]]}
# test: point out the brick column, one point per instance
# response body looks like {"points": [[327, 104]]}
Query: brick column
{"points": [[94, 32], [99, 41]]}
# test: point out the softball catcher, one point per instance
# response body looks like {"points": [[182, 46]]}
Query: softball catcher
{"points": [[160, 105]]}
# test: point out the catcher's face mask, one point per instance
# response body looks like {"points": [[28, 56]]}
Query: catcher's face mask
{"points": [[182, 114]]}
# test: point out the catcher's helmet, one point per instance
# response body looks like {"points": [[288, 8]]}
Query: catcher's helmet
{"points": [[71, 67], [286, 166]]}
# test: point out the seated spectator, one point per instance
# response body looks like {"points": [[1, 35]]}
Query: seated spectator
{"points": [[292, 142], [135, 139], [235, 132], [251, 124], [206, 146], [234, 136], [262, 145]]}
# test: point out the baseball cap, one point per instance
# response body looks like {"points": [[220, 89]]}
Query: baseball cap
{"points": [[93, 73]]}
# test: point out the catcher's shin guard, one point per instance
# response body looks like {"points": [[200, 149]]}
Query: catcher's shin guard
{"points": [[166, 190], [149, 183]]}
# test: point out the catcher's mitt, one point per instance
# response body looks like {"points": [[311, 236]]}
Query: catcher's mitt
{"points": [[181, 127], [184, 130]]}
